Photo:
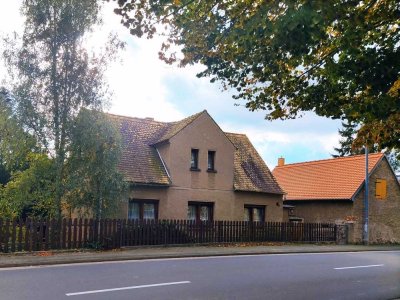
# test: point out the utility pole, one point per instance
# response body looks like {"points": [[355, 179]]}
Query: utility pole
{"points": [[366, 202]]}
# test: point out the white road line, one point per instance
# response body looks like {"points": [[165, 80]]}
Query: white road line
{"points": [[359, 267], [127, 288]]}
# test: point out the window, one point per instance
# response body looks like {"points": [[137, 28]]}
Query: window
{"points": [[211, 161], [194, 160], [143, 210], [200, 211], [254, 213], [380, 189]]}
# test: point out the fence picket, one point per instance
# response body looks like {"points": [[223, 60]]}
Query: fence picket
{"points": [[6, 235], [79, 237], [20, 226], [13, 235], [75, 233], [34, 235]]}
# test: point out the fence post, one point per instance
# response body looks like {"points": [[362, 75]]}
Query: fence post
{"points": [[341, 234], [119, 232], [6, 235]]}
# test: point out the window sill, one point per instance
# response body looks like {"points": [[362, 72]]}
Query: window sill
{"points": [[211, 171], [194, 169]]}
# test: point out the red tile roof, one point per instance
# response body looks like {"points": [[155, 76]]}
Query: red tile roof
{"points": [[329, 179]]}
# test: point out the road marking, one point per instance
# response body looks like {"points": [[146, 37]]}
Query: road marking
{"points": [[127, 288], [359, 267]]}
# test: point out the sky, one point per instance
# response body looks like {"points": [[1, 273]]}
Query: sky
{"points": [[143, 86]]}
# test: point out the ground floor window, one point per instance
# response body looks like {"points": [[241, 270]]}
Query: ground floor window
{"points": [[143, 209], [254, 213], [200, 211]]}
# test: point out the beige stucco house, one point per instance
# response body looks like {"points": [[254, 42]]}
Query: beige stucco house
{"points": [[191, 169], [332, 190]]}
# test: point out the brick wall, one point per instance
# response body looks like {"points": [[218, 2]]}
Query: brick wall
{"points": [[384, 215]]}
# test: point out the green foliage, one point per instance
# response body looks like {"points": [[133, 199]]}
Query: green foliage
{"points": [[55, 75], [337, 58], [347, 134], [30, 192], [347, 142], [94, 182], [26, 175], [348, 146], [15, 142]]}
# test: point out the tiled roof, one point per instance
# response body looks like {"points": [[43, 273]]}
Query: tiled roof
{"points": [[329, 179], [251, 172], [175, 127], [140, 162]]}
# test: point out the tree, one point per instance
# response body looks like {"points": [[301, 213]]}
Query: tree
{"points": [[15, 142], [95, 184], [56, 74], [348, 146], [30, 192], [337, 58], [347, 134], [26, 174], [347, 142]]}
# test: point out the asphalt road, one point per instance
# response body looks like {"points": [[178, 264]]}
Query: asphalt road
{"points": [[365, 275]]}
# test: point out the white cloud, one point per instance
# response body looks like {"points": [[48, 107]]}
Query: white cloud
{"points": [[272, 144], [138, 87]]}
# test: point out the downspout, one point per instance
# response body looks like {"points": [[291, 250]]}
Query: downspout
{"points": [[366, 204]]}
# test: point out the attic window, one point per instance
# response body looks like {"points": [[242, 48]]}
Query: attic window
{"points": [[381, 189], [211, 161], [194, 160]]}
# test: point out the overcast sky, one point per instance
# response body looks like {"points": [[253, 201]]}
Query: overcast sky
{"points": [[144, 86]]}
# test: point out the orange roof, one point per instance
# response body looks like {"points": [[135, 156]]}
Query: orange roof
{"points": [[329, 179]]}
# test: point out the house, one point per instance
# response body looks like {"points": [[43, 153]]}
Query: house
{"points": [[332, 190], [191, 169]]}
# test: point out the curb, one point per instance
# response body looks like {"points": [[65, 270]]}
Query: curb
{"points": [[41, 261]]}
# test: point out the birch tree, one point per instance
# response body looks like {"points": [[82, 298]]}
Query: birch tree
{"points": [[57, 75]]}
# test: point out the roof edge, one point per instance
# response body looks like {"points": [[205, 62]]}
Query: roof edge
{"points": [[320, 199], [369, 174], [259, 192], [197, 115], [328, 159], [149, 184]]}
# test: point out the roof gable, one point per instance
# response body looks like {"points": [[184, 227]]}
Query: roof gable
{"points": [[330, 179], [175, 127], [140, 161], [196, 124]]}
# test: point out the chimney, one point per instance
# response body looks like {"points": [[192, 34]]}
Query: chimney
{"points": [[281, 161]]}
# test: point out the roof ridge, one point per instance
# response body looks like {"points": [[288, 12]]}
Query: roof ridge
{"points": [[184, 123], [137, 118], [235, 133], [330, 160]]}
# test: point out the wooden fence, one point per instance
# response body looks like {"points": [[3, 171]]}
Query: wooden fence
{"points": [[37, 235]]}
